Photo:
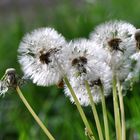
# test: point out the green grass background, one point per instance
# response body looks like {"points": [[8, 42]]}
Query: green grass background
{"points": [[73, 19]]}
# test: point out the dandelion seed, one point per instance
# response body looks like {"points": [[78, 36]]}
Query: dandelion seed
{"points": [[39, 54]]}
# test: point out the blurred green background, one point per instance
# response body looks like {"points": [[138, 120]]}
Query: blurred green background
{"points": [[72, 18]]}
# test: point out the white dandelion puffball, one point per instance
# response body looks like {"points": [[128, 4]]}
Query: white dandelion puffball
{"points": [[117, 38], [39, 54], [84, 60], [81, 56]]}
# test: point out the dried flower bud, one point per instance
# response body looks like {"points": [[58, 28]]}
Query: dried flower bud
{"points": [[10, 80]]}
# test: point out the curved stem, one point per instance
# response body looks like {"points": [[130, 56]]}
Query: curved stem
{"points": [[46, 131], [122, 110], [95, 114], [104, 113], [83, 116], [116, 110]]}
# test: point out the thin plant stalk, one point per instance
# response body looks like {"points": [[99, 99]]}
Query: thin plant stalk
{"points": [[116, 110], [104, 113], [83, 116], [46, 131], [95, 114], [122, 110]]}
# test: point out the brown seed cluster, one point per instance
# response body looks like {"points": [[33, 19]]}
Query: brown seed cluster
{"points": [[114, 44], [81, 59], [45, 57], [79, 63]]}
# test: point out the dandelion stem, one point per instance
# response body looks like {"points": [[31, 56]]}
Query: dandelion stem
{"points": [[122, 110], [95, 114], [104, 113], [46, 131], [116, 110], [83, 116]]}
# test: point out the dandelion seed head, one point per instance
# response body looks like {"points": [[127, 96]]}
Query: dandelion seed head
{"points": [[115, 36], [85, 60], [39, 54], [81, 56]]}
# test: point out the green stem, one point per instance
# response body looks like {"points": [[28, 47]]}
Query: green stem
{"points": [[46, 131], [104, 113], [95, 114], [83, 116], [116, 110], [122, 110], [2, 77]]}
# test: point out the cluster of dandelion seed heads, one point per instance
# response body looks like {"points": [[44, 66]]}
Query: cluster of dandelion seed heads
{"points": [[112, 49]]}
